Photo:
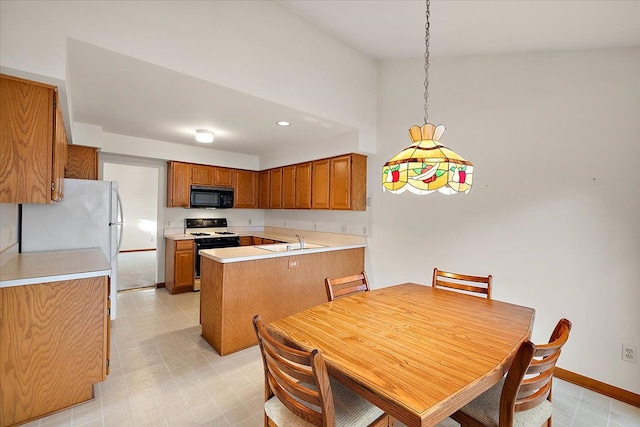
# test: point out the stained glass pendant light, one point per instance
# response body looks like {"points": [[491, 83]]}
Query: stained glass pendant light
{"points": [[427, 165]]}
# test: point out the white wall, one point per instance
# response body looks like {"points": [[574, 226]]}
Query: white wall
{"points": [[138, 188], [8, 228], [554, 213]]}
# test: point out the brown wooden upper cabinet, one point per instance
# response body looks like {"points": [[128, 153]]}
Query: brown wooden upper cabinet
{"points": [[289, 187], [178, 185], [346, 175], [202, 175], [82, 162], [320, 184], [222, 177], [265, 189], [334, 183], [245, 189], [275, 188], [211, 175], [303, 186], [33, 142]]}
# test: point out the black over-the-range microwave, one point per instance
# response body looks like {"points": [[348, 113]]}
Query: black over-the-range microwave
{"points": [[211, 197]]}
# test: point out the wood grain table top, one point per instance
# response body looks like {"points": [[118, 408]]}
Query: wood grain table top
{"points": [[418, 353]]}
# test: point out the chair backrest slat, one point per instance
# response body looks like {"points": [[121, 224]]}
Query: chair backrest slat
{"points": [[533, 400], [344, 286], [299, 372], [461, 282]]}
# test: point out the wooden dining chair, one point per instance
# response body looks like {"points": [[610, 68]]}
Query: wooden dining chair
{"points": [[298, 391], [343, 286], [516, 400], [462, 282]]}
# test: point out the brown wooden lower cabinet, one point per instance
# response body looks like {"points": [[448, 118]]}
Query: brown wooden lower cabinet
{"points": [[232, 293], [179, 257], [246, 240], [53, 346]]}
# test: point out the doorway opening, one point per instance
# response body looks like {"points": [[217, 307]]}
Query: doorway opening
{"points": [[137, 259]]}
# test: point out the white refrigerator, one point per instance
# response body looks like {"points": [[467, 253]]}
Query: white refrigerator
{"points": [[89, 216]]}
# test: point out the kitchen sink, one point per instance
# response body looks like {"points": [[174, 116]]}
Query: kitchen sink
{"points": [[285, 247]]}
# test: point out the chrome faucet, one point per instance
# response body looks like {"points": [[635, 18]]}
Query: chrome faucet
{"points": [[301, 241]]}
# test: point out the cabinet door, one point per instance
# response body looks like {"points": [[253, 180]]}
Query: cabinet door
{"points": [[202, 175], [320, 184], [59, 160], [340, 179], [257, 240], [246, 240], [275, 185], [348, 178], [289, 187], [178, 185], [82, 162], [264, 190], [26, 141], [184, 263], [65, 352], [222, 177], [245, 189], [303, 186]]}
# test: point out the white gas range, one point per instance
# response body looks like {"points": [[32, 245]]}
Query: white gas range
{"points": [[207, 228], [209, 233]]}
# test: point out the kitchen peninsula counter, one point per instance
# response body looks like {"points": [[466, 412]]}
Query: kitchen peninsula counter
{"points": [[238, 283]]}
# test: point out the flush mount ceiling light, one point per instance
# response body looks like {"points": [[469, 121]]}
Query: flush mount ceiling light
{"points": [[283, 123], [426, 165], [203, 135]]}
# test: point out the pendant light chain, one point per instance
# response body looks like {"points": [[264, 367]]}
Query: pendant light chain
{"points": [[426, 63], [426, 165]]}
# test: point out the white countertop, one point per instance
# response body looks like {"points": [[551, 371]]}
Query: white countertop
{"points": [[249, 253], [179, 236], [329, 242], [53, 266]]}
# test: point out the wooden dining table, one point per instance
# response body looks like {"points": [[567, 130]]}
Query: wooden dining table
{"points": [[416, 352]]}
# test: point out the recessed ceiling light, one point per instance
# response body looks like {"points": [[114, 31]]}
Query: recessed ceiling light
{"points": [[203, 135], [283, 123]]}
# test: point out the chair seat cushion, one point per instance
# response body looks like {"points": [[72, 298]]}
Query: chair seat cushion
{"points": [[486, 409], [351, 410]]}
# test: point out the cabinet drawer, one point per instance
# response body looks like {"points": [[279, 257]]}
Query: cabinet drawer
{"points": [[182, 245]]}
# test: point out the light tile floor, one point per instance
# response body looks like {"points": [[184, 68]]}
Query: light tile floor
{"points": [[164, 374]]}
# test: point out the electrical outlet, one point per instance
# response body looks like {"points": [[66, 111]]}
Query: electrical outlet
{"points": [[167, 224], [10, 234], [249, 221], [284, 223], [293, 264], [344, 228], [364, 230], [315, 225], [630, 353], [368, 202]]}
